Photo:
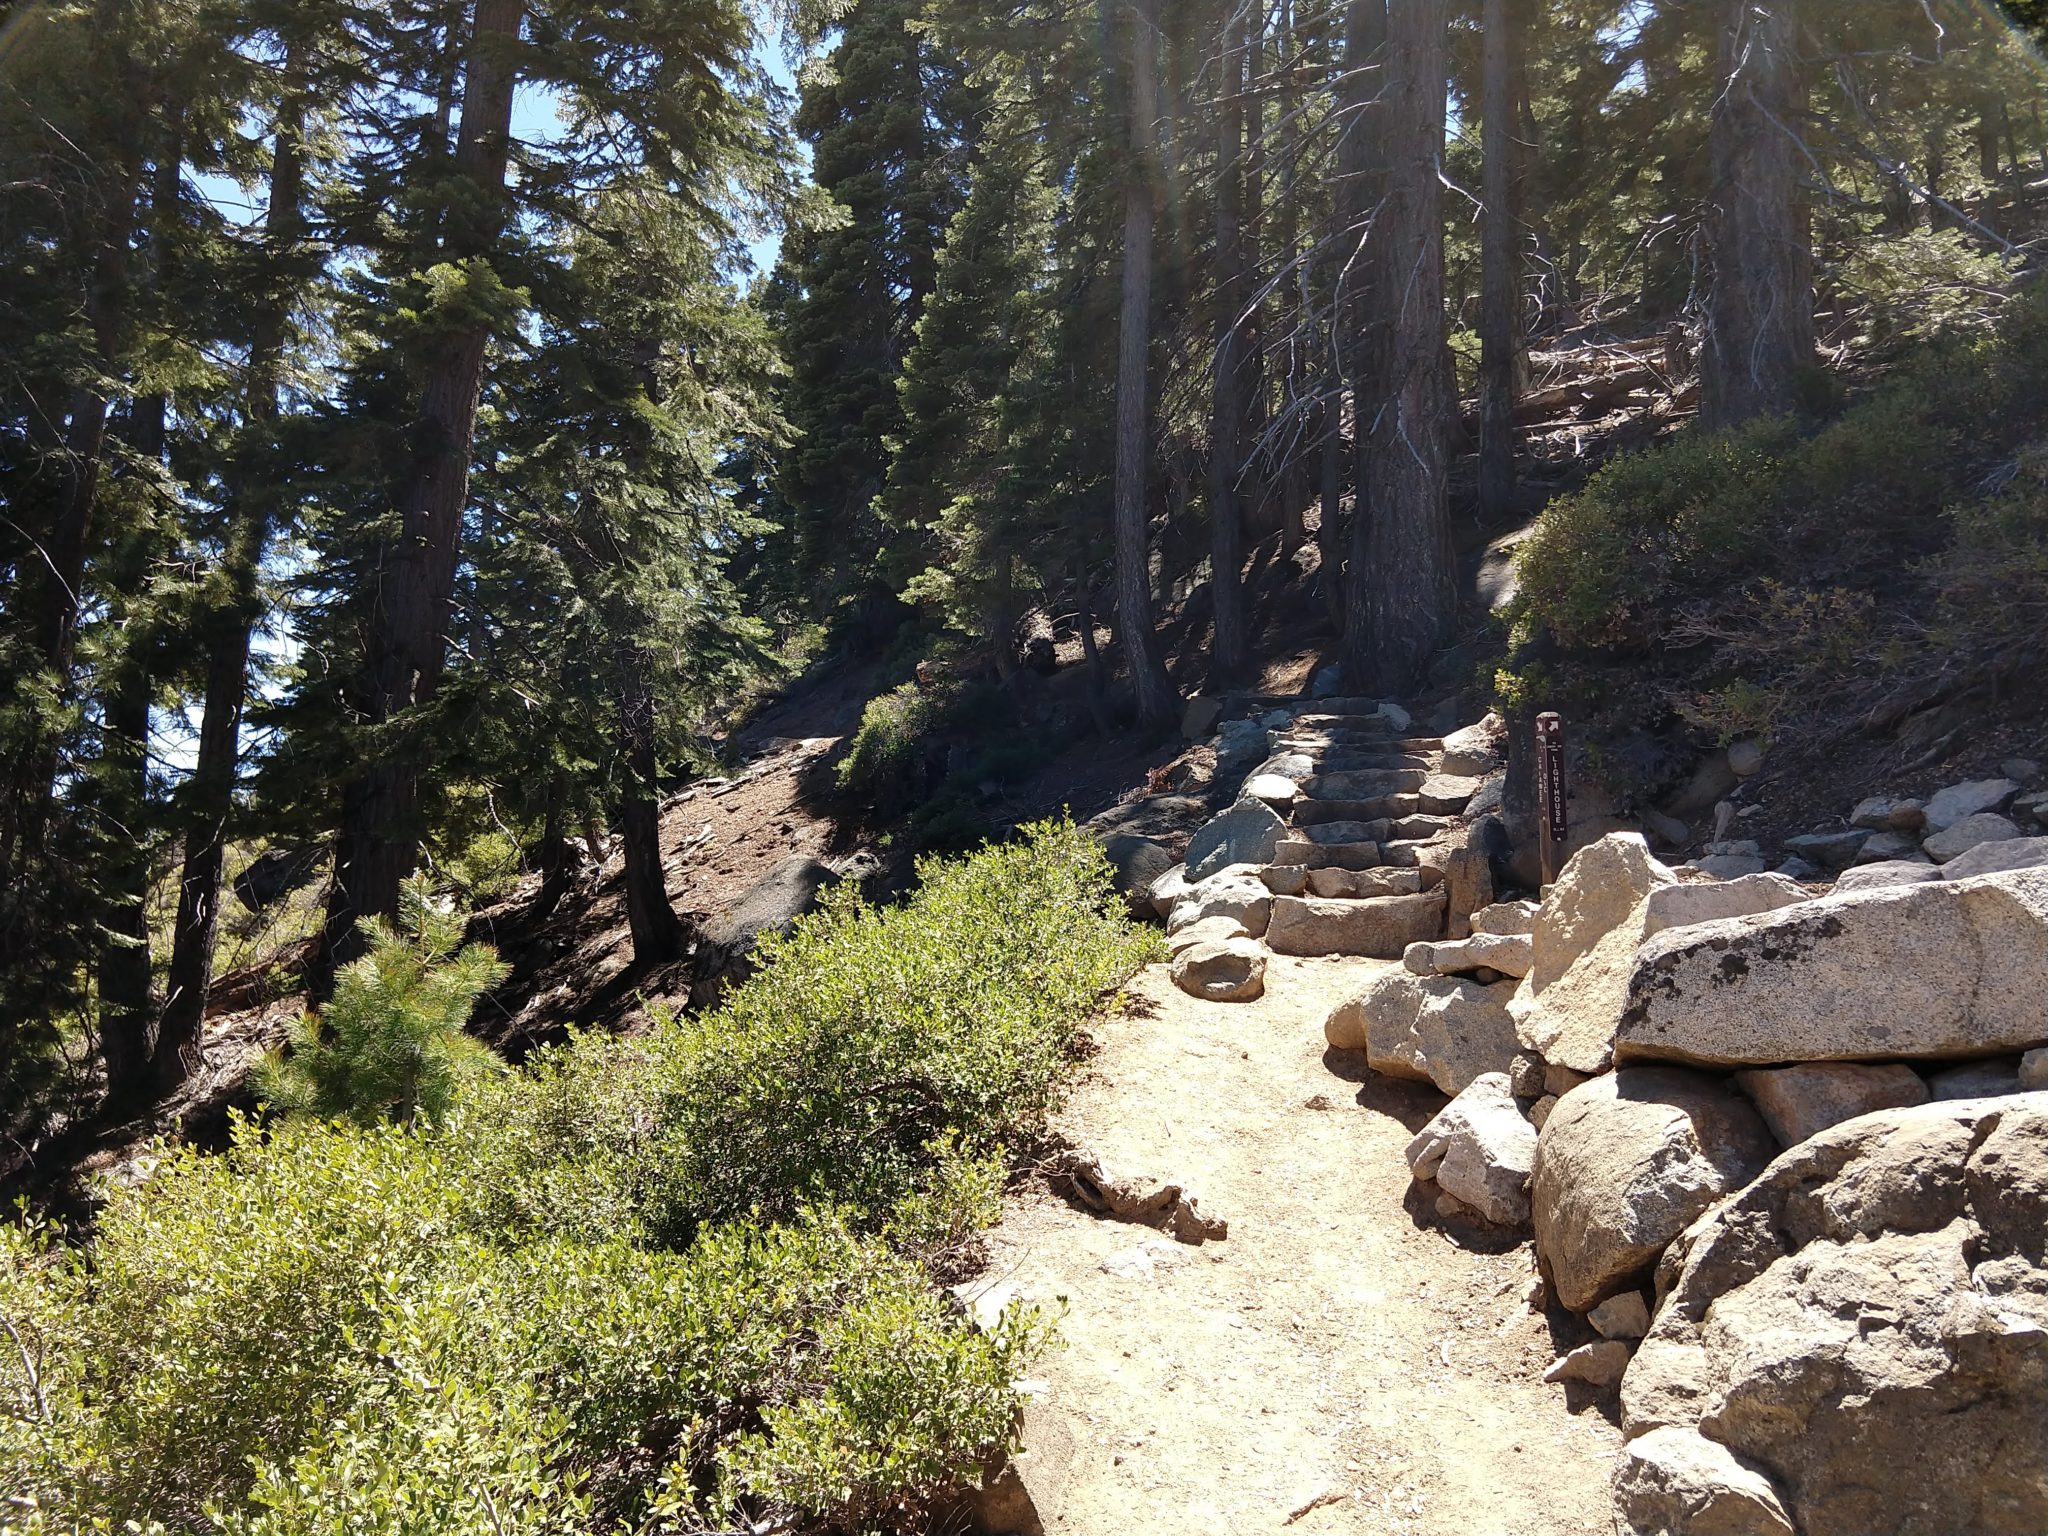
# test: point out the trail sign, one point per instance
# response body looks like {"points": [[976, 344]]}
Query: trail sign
{"points": [[1553, 792]]}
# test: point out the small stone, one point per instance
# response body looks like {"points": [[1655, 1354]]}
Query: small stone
{"points": [[1273, 789], [1451, 1208], [1668, 831], [1397, 717], [1884, 847], [1247, 833], [1798, 870], [1831, 850], [2023, 770], [1234, 892], [2034, 1071], [1626, 1316], [1539, 1112], [1959, 802], [1724, 820], [1508, 954], [2031, 808], [1681, 906], [1968, 833], [1741, 848], [1998, 857], [1233, 971], [1210, 930], [1597, 1365], [1871, 877], [1480, 1150], [1731, 866], [1882, 813], [1506, 917], [1198, 719], [1286, 879], [1747, 759], [1559, 1081], [1525, 1075], [1798, 1103], [1993, 1079], [1169, 890]]}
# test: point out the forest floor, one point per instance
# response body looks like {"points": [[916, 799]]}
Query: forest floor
{"points": [[1339, 1363]]}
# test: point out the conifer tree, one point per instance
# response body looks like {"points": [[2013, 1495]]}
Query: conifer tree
{"points": [[884, 117]]}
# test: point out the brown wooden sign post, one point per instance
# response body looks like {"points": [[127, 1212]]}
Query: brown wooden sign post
{"points": [[1553, 792]]}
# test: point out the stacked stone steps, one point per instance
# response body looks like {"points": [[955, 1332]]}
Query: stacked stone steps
{"points": [[1357, 873]]}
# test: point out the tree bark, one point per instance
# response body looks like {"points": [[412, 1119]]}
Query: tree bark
{"points": [[1149, 684], [1500, 308], [1405, 599], [378, 846], [1759, 336], [657, 931], [1226, 456], [179, 1050], [1364, 67]]}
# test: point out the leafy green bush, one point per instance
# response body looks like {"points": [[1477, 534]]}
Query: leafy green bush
{"points": [[1695, 511], [885, 765], [1740, 583], [391, 1042], [873, 1032], [672, 1284]]}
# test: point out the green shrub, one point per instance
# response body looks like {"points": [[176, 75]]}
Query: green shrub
{"points": [[873, 1032], [391, 1042], [1741, 582], [885, 765], [1693, 512], [671, 1284]]}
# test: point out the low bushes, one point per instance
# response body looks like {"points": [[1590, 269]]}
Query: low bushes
{"points": [[659, 1285], [1739, 582]]}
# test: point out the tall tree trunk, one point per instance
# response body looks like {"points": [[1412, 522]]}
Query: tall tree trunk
{"points": [[657, 931], [1358, 117], [1226, 452], [127, 1017], [1500, 283], [555, 849], [1406, 587], [1291, 307], [378, 846], [1759, 337], [1330, 532], [1149, 683], [210, 795]]}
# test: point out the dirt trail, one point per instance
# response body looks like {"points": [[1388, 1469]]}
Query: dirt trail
{"points": [[1338, 1364]]}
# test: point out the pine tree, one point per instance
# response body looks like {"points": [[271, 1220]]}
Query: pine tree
{"points": [[884, 117], [955, 476]]}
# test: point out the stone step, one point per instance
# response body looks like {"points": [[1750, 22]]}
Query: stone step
{"points": [[1329, 834], [1430, 855], [1342, 706], [1373, 784], [1334, 721], [1300, 851], [1369, 760], [1381, 928], [1315, 813], [1358, 884], [1420, 829], [1446, 794]]}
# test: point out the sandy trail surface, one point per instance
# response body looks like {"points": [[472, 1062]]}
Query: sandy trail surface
{"points": [[1342, 1362]]}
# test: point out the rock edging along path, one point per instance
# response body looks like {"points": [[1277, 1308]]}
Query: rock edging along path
{"points": [[1333, 1366]]}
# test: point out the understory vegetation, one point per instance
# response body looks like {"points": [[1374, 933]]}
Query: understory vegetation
{"points": [[678, 1283], [1752, 581]]}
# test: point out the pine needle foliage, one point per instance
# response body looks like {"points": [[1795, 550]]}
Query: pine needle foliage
{"points": [[391, 1043]]}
